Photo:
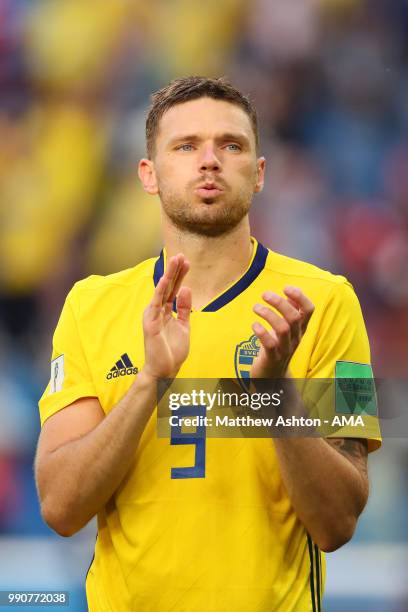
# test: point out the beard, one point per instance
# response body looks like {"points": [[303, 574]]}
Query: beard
{"points": [[209, 217]]}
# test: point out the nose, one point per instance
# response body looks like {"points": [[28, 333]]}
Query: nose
{"points": [[209, 159]]}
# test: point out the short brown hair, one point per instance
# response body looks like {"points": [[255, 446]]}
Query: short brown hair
{"points": [[192, 88]]}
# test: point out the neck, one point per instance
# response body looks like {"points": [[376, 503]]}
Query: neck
{"points": [[215, 262]]}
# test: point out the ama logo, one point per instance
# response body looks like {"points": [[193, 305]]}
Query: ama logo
{"points": [[245, 353]]}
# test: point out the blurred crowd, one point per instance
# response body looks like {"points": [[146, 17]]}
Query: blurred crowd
{"points": [[329, 80]]}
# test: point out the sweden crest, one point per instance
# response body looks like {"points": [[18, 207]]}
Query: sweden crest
{"points": [[245, 354]]}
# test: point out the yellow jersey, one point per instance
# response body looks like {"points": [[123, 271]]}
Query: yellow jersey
{"points": [[204, 525]]}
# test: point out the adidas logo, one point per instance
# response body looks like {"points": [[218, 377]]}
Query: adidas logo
{"points": [[123, 367]]}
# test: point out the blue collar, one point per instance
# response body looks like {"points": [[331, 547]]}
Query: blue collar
{"points": [[256, 267]]}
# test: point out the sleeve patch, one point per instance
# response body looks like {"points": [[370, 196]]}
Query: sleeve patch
{"points": [[355, 388], [57, 374]]}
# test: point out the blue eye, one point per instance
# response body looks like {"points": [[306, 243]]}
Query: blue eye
{"points": [[185, 147], [234, 146]]}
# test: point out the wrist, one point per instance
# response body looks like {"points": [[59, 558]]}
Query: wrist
{"points": [[148, 382], [146, 378]]}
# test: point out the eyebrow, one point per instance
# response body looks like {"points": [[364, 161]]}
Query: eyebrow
{"points": [[224, 136]]}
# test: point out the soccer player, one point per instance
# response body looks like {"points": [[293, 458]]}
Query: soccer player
{"points": [[193, 523]]}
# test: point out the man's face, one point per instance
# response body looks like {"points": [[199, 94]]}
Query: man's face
{"points": [[205, 168]]}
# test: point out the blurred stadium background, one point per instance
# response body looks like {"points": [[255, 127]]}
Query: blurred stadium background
{"points": [[329, 78]]}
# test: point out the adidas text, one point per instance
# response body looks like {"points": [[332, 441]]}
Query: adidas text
{"points": [[124, 372]]}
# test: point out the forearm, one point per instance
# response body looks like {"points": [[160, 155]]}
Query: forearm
{"points": [[81, 475], [327, 491]]}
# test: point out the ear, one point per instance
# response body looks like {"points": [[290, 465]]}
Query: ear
{"points": [[260, 172], [147, 176]]}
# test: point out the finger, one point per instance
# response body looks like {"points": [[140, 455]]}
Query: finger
{"points": [[268, 339], [288, 310], [280, 326], [305, 306], [171, 273], [294, 304], [181, 273], [168, 309], [155, 307], [300, 329], [184, 301]]}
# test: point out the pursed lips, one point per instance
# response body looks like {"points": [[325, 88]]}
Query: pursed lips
{"points": [[209, 189]]}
